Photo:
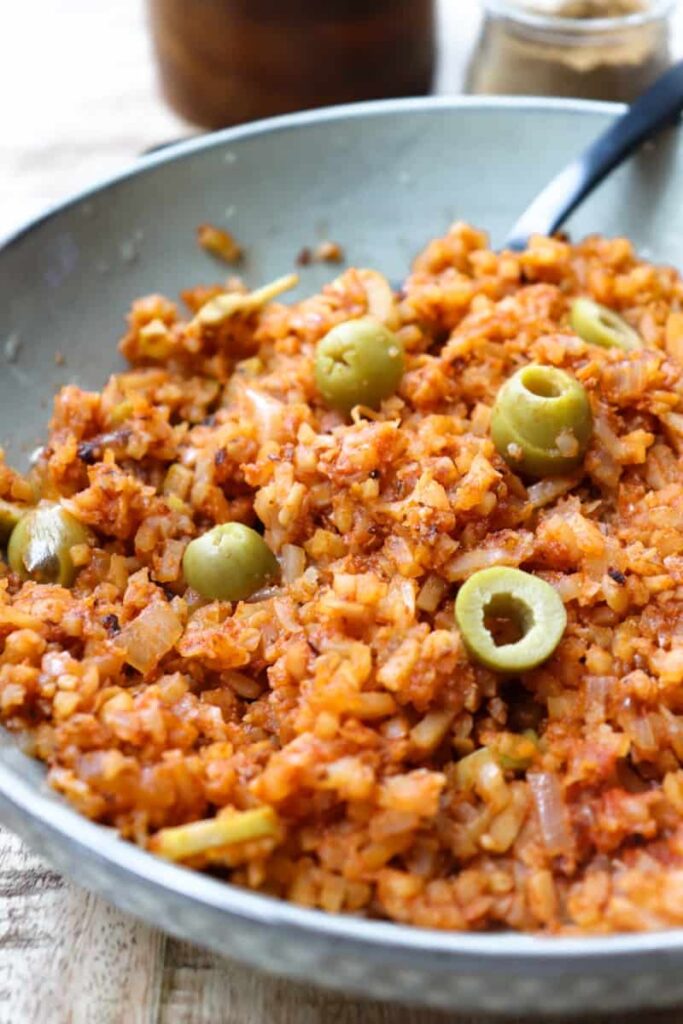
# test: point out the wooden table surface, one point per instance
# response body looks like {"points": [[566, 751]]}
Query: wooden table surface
{"points": [[79, 102]]}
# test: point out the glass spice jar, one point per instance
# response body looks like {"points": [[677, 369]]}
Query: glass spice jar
{"points": [[591, 49], [227, 61]]}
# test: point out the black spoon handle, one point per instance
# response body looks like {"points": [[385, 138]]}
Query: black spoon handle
{"points": [[658, 107]]}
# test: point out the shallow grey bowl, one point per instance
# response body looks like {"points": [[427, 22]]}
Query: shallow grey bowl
{"points": [[381, 179]]}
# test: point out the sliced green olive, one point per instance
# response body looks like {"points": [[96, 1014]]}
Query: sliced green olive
{"points": [[359, 362], [41, 542], [229, 563], [599, 325], [9, 517], [541, 421], [515, 603]]}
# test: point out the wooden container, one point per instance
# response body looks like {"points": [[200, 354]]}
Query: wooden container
{"points": [[227, 61]]}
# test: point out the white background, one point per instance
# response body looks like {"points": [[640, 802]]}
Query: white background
{"points": [[79, 99]]}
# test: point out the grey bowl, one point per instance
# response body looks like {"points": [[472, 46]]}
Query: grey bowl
{"points": [[381, 179]]}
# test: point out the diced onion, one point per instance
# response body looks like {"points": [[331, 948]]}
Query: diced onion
{"points": [[266, 413], [293, 562], [641, 731], [381, 302], [552, 814], [673, 424], [429, 731], [550, 489], [372, 705], [431, 593], [150, 636], [481, 772], [597, 690], [509, 549]]}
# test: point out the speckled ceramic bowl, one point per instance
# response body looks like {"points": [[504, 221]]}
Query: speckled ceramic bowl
{"points": [[380, 179]]}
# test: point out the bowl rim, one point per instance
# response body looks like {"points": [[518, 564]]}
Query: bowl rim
{"points": [[385, 937], [284, 122]]}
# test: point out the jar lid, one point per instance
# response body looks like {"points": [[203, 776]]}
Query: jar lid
{"points": [[581, 16]]}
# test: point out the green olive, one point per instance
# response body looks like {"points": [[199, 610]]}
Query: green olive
{"points": [[9, 517], [41, 542], [599, 325], [522, 609], [541, 422], [229, 563], [359, 362]]}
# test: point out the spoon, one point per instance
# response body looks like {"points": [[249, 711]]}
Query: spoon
{"points": [[657, 108]]}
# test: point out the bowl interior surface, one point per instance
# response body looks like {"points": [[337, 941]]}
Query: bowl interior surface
{"points": [[380, 179]]}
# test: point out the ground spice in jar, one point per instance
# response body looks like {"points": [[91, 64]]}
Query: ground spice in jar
{"points": [[592, 49]]}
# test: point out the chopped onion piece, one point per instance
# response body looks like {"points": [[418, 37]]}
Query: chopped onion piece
{"points": [[597, 691], [480, 771], [550, 489], [468, 769], [150, 636], [267, 414], [430, 730], [293, 562], [507, 548], [431, 593], [381, 301], [372, 705], [287, 615], [641, 731], [552, 812]]}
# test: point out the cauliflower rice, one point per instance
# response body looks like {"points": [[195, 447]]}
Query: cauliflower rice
{"points": [[329, 741]]}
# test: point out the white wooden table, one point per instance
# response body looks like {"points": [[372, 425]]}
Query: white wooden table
{"points": [[79, 101]]}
